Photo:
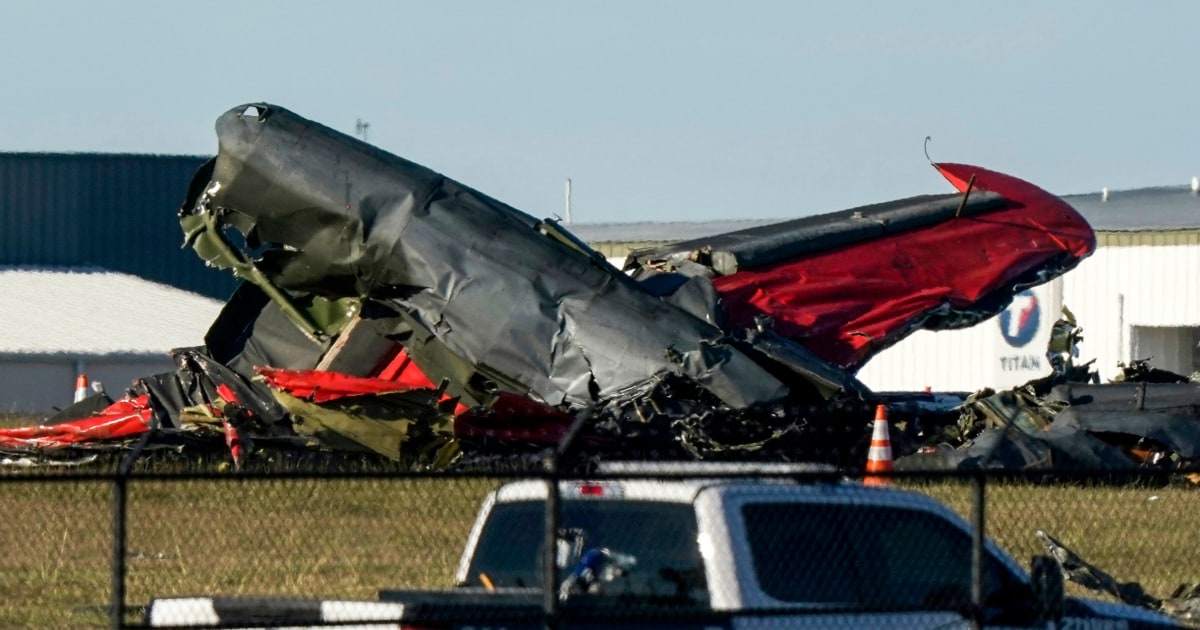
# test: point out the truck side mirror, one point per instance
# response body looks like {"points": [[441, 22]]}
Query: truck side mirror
{"points": [[1049, 596]]}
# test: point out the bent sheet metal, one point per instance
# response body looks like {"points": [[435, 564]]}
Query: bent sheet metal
{"points": [[361, 264]]}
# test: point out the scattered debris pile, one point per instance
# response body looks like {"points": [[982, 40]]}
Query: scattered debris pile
{"points": [[387, 309], [1068, 420], [1183, 604]]}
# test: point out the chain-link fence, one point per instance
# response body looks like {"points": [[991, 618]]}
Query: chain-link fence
{"points": [[222, 549]]}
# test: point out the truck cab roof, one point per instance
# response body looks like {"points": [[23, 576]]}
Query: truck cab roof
{"points": [[709, 505], [669, 481]]}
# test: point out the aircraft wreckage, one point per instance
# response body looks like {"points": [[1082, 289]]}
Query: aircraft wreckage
{"points": [[385, 308]]}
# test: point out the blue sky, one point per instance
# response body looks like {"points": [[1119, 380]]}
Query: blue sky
{"points": [[658, 111]]}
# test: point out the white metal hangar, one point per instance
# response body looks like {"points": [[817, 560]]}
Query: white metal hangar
{"points": [[92, 275], [1137, 297], [112, 327]]}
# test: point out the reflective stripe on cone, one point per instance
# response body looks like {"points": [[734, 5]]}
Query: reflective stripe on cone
{"points": [[81, 387], [879, 457]]}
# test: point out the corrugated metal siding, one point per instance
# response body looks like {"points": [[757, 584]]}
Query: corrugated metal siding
{"points": [[952, 360], [1145, 283], [1121, 287], [114, 211], [1170, 349], [1152, 285], [40, 385], [968, 359], [1157, 238]]}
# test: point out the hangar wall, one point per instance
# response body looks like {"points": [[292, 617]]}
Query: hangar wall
{"points": [[39, 385], [1132, 300], [1000, 352], [108, 210], [1122, 291]]}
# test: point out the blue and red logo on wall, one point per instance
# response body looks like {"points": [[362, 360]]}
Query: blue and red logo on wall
{"points": [[1019, 322]]}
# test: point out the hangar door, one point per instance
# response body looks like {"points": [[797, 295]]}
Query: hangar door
{"points": [[1167, 347]]}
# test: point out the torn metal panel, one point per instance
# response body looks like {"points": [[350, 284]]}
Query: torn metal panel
{"points": [[768, 245], [320, 386], [196, 383], [1141, 371], [387, 424], [90, 406], [1082, 450], [1089, 576], [1064, 342], [252, 330], [368, 278], [1017, 408], [1110, 427], [333, 217], [826, 379], [1080, 424], [1184, 602], [123, 420], [869, 287], [1057, 448], [968, 446], [693, 294], [1163, 412]]}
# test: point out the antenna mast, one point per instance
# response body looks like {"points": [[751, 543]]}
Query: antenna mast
{"points": [[568, 201]]}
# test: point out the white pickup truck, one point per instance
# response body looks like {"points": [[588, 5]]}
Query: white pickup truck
{"points": [[717, 552]]}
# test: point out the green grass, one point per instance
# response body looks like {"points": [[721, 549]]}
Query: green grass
{"points": [[13, 419], [348, 538], [1135, 533], [344, 538]]}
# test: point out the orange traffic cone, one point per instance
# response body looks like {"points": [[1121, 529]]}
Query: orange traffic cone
{"points": [[879, 457], [81, 387]]}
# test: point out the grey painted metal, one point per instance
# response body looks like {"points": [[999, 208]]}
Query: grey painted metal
{"points": [[1142, 209], [115, 211], [39, 386], [1120, 288]]}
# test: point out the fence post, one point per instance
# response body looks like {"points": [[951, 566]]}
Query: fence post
{"points": [[550, 557], [553, 518], [119, 513], [117, 608], [978, 483]]}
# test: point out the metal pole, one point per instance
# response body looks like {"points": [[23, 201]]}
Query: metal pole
{"points": [[977, 557], [119, 514], [117, 609], [553, 520], [1122, 345], [568, 201]]}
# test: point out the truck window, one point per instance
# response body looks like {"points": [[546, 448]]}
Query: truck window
{"points": [[662, 536], [864, 556]]}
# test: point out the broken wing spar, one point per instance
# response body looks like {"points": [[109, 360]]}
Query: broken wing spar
{"points": [[848, 285], [487, 298]]}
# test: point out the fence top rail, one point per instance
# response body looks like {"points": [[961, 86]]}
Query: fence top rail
{"points": [[699, 470]]}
